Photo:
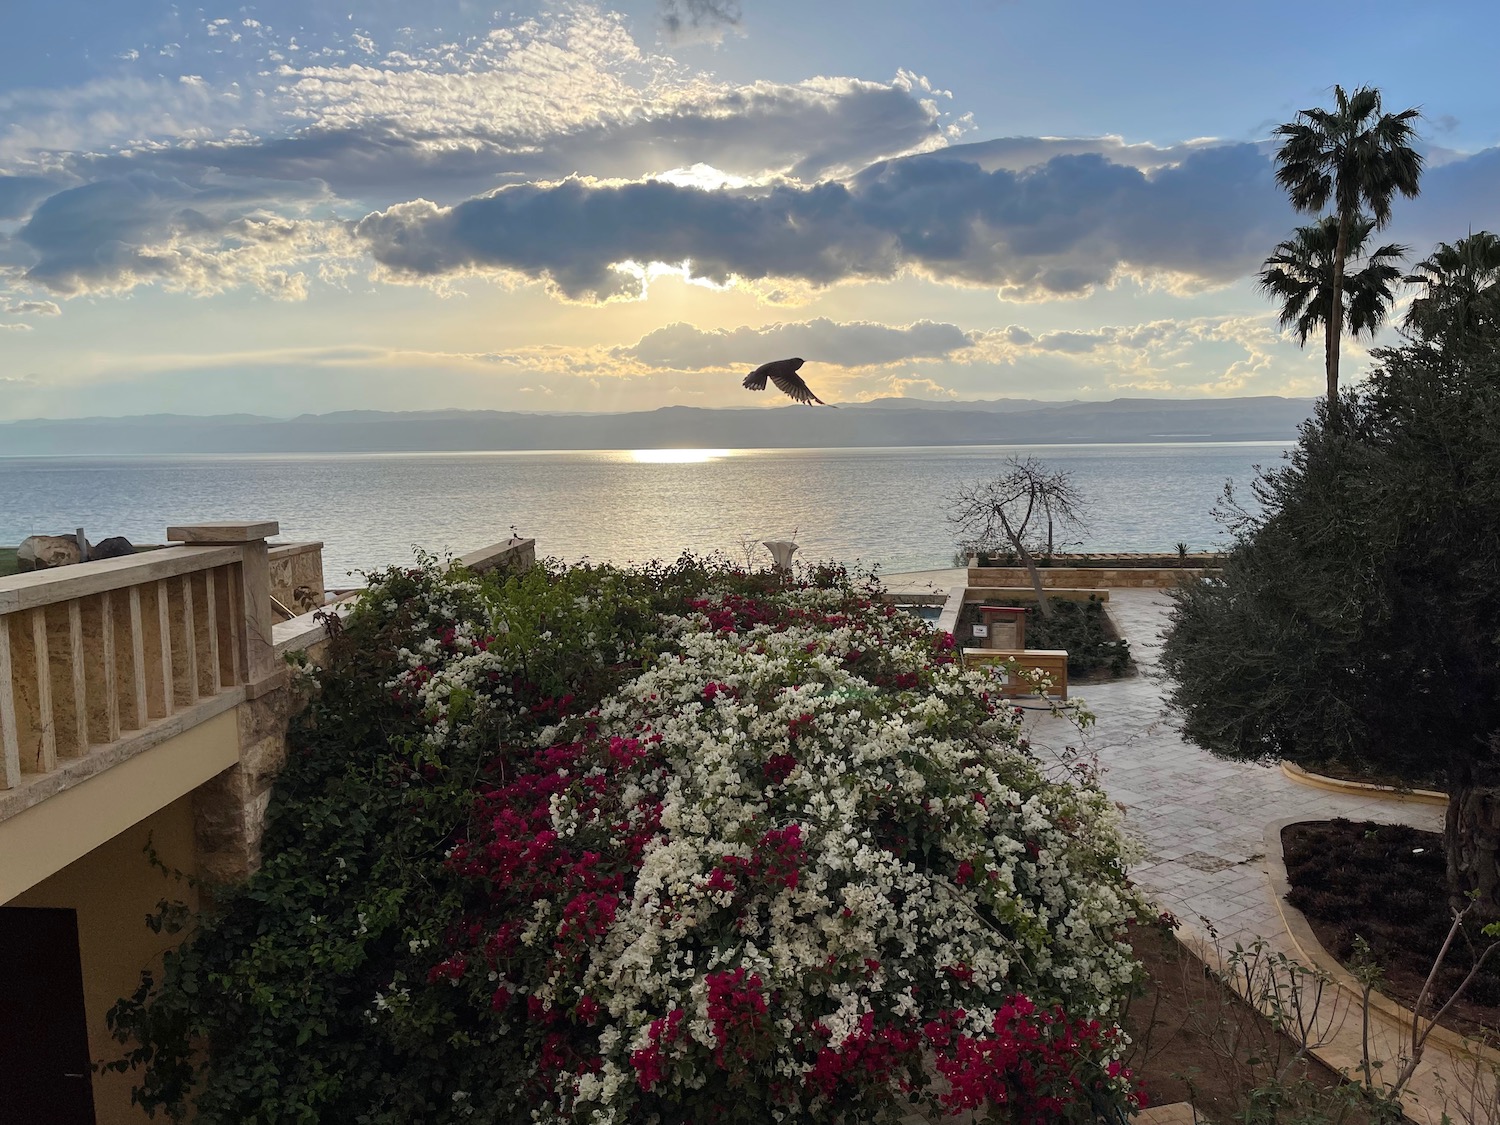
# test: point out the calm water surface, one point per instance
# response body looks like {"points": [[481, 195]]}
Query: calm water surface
{"points": [[881, 506]]}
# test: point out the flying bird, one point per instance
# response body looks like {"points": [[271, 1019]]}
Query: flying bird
{"points": [[783, 372]]}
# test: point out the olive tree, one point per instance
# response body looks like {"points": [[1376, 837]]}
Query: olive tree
{"points": [[1022, 507], [1356, 616]]}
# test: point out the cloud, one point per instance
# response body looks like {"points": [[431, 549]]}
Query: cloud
{"points": [[916, 387], [553, 150], [699, 19], [1016, 154], [1059, 230], [33, 308], [858, 344], [807, 131], [19, 193], [115, 234]]}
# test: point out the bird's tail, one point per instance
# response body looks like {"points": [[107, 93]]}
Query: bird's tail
{"points": [[754, 381]]}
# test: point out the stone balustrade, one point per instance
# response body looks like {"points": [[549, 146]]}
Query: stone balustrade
{"points": [[101, 654]]}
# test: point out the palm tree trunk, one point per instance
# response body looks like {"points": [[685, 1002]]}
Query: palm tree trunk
{"points": [[1335, 334]]}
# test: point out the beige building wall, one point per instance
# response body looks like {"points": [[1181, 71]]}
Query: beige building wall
{"points": [[113, 888]]}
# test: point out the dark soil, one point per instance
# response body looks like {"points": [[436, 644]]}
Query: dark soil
{"points": [[1195, 1040], [1355, 771], [1388, 884]]}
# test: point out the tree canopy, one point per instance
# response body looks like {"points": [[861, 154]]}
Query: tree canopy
{"points": [[1019, 508], [1460, 289], [1356, 617], [1299, 273]]}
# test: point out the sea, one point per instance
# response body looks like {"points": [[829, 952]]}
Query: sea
{"points": [[882, 507]]}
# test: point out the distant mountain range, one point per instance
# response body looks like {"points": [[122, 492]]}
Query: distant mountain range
{"points": [[883, 422]]}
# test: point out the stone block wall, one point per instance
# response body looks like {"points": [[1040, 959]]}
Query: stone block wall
{"points": [[297, 575], [1086, 577], [229, 812]]}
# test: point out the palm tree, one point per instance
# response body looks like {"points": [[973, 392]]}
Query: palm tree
{"points": [[1462, 283], [1359, 158], [1301, 274]]}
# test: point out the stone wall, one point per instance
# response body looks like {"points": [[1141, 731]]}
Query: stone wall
{"points": [[229, 812], [1086, 577], [514, 555], [297, 575]]}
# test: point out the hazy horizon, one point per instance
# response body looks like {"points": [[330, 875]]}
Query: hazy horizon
{"points": [[878, 403]]}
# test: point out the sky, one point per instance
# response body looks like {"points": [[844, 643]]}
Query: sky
{"points": [[301, 207]]}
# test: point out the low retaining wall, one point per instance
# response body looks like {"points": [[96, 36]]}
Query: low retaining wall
{"points": [[1085, 577]]}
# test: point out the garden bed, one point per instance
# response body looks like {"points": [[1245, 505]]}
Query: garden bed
{"points": [[1096, 652], [1388, 884], [1195, 1040], [1433, 781]]}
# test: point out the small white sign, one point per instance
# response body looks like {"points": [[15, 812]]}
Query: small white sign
{"points": [[981, 630]]}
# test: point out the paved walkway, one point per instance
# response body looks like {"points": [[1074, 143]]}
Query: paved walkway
{"points": [[1203, 825], [1202, 819]]}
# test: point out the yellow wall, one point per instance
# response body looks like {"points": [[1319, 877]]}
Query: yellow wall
{"points": [[113, 888], [43, 839]]}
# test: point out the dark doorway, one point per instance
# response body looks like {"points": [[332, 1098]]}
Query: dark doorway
{"points": [[44, 1043]]}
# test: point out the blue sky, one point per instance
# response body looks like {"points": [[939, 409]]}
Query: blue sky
{"points": [[293, 207]]}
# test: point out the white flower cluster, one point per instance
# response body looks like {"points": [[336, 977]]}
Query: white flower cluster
{"points": [[454, 679], [937, 867]]}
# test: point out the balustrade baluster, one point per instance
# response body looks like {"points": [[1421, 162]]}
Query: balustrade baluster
{"points": [[44, 727], [79, 679], [135, 645], [210, 632], [162, 651], [10, 742], [185, 645], [109, 688]]}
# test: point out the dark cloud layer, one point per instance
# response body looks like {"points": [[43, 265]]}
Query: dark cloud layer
{"points": [[18, 194], [1055, 230], [140, 228], [858, 344], [750, 131], [683, 18]]}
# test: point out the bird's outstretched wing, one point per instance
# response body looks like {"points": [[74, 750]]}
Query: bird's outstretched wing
{"points": [[791, 385], [783, 372]]}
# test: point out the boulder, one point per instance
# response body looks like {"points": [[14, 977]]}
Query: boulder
{"points": [[42, 552], [115, 547]]}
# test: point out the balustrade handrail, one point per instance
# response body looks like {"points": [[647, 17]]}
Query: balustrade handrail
{"points": [[60, 584], [100, 655]]}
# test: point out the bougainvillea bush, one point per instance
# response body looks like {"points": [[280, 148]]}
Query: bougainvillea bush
{"points": [[676, 845]]}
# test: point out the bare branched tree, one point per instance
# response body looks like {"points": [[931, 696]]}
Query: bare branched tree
{"points": [[1021, 507]]}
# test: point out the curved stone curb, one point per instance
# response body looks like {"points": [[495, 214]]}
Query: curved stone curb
{"points": [[1363, 788], [1311, 951]]}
